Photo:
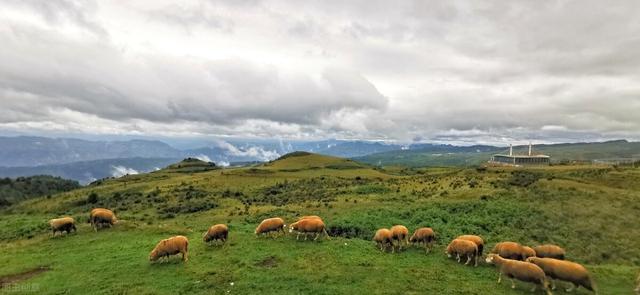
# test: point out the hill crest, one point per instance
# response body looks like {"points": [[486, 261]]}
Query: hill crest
{"points": [[300, 160]]}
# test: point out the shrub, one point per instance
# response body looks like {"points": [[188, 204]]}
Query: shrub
{"points": [[523, 178], [371, 189], [92, 198], [187, 207]]}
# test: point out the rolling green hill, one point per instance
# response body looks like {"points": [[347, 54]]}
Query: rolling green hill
{"points": [[566, 152], [22, 188], [591, 211], [191, 165], [304, 161]]}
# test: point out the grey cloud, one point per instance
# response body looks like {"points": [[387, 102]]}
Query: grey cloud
{"points": [[97, 79], [440, 70]]}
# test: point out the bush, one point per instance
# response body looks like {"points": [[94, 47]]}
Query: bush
{"points": [[523, 178], [92, 198], [4, 203], [22, 188], [186, 207], [371, 189]]}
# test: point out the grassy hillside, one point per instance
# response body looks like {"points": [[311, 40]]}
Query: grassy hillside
{"points": [[565, 152], [304, 161], [592, 212]]}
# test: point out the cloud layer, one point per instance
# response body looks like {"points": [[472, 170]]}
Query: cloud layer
{"points": [[485, 71]]}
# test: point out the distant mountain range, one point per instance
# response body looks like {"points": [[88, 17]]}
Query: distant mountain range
{"points": [[34, 151], [88, 171], [26, 151], [85, 160]]}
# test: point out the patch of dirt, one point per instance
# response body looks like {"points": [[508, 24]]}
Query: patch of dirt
{"points": [[268, 262], [19, 277]]}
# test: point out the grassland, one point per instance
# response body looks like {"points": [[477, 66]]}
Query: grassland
{"points": [[591, 211]]}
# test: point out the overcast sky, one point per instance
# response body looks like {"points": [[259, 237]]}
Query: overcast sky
{"points": [[458, 71]]}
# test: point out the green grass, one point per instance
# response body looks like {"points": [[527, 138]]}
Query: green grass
{"points": [[589, 211], [303, 160]]}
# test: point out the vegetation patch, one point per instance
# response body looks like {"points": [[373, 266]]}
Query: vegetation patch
{"points": [[170, 211], [592, 215], [294, 154], [23, 188], [22, 227], [523, 178], [191, 165], [268, 262], [371, 189]]}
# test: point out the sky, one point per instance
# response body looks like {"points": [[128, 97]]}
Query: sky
{"points": [[441, 71]]}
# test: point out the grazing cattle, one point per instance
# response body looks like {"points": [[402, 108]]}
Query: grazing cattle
{"points": [[64, 224], [268, 225], [567, 271], [399, 234], [520, 270], [550, 251], [425, 236], [460, 248], [510, 250], [218, 232], [100, 217], [383, 239], [171, 246], [309, 226], [476, 239], [309, 217], [527, 252]]}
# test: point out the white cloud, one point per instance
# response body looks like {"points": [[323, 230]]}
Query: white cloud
{"points": [[119, 171], [251, 151], [203, 158]]}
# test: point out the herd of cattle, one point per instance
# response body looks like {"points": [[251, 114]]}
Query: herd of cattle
{"points": [[539, 265]]}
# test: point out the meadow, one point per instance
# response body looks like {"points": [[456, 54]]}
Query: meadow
{"points": [[592, 211]]}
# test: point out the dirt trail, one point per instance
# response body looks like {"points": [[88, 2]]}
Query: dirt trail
{"points": [[25, 275]]}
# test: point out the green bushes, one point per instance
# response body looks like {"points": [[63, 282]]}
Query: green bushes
{"points": [[92, 198], [169, 211], [371, 189], [323, 189], [22, 188], [492, 219], [523, 178]]}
